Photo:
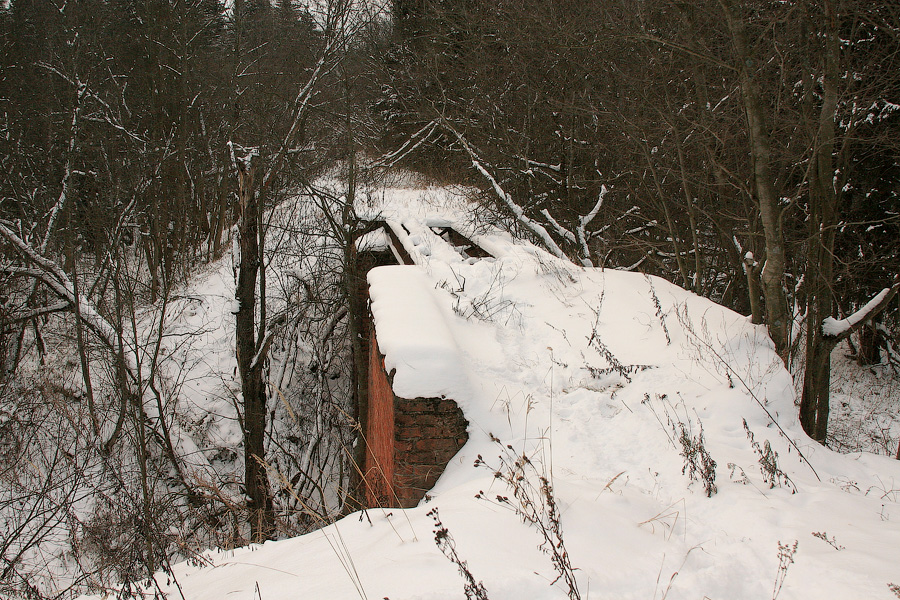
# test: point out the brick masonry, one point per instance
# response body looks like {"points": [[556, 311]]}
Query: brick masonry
{"points": [[409, 441]]}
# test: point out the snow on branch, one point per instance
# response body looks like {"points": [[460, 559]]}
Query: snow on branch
{"points": [[56, 279], [53, 276], [562, 231], [631, 211], [67, 176], [583, 222], [586, 219], [534, 163], [415, 140], [530, 224], [751, 263], [839, 329], [37, 312]]}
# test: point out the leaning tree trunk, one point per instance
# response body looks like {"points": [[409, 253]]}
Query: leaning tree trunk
{"points": [[772, 272], [249, 349]]}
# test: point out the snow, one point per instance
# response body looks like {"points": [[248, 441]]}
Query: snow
{"points": [[587, 372], [834, 328], [413, 335], [865, 406], [749, 261], [198, 354], [374, 241]]}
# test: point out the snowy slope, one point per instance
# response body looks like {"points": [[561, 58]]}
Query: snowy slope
{"points": [[593, 375]]}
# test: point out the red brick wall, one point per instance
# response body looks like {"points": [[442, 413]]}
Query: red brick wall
{"points": [[428, 433], [409, 442], [379, 468]]}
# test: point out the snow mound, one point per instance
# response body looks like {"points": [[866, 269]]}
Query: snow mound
{"points": [[412, 334], [664, 424]]}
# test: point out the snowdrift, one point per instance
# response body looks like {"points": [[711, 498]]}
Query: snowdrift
{"points": [[663, 425]]}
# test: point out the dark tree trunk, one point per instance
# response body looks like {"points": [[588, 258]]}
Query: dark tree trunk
{"points": [[356, 289], [249, 350], [823, 215], [814, 403], [869, 353], [772, 272]]}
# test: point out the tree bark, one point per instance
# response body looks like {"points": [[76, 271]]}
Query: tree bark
{"points": [[248, 349], [354, 281], [751, 268], [772, 272], [823, 204]]}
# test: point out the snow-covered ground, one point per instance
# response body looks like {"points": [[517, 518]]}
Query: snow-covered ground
{"points": [[865, 406], [613, 386]]}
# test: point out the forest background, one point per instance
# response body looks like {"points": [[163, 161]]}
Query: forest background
{"points": [[746, 150]]}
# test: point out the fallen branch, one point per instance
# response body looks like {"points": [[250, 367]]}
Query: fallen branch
{"points": [[836, 330], [533, 226]]}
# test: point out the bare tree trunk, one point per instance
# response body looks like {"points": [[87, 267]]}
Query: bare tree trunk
{"points": [[772, 272], [814, 403], [356, 289], [247, 347], [696, 284], [751, 267], [823, 201], [868, 353], [82, 347], [125, 395], [354, 281]]}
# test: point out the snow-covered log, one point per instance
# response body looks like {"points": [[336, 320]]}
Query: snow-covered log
{"points": [[838, 329]]}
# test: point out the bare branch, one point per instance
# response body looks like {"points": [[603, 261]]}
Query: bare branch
{"points": [[38, 312], [562, 231]]}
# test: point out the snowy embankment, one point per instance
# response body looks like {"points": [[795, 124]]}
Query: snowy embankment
{"points": [[605, 380]]}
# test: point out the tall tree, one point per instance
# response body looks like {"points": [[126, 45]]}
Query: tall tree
{"points": [[277, 110]]}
